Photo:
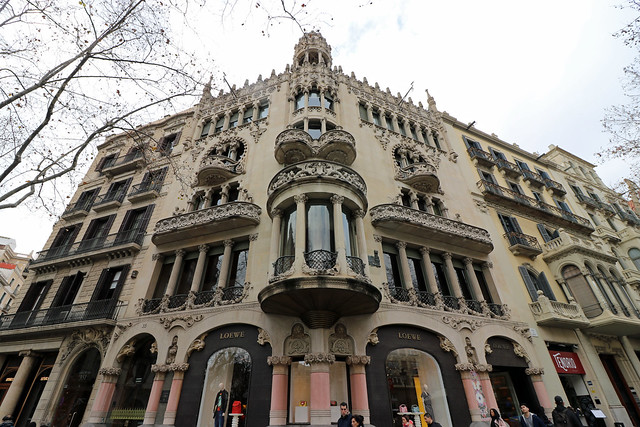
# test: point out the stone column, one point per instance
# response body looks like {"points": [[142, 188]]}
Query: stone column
{"points": [[175, 272], [488, 277], [226, 262], [154, 396], [227, 116], [338, 232], [320, 385], [174, 393], [468, 265], [224, 194], [487, 388], [631, 354], [419, 134], [432, 282], [428, 200], [301, 230], [430, 138], [362, 240], [471, 383], [593, 282], [404, 264], [102, 401], [538, 385], [274, 244], [407, 129], [197, 275], [369, 113], [279, 389], [453, 277], [359, 393], [414, 200], [256, 108], [383, 118], [19, 382]]}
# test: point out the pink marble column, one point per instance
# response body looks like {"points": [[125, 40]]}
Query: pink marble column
{"points": [[107, 388], [359, 393], [476, 400], [174, 393], [154, 396], [487, 389], [541, 390], [320, 407], [279, 389]]}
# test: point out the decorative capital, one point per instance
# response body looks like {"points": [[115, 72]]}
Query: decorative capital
{"points": [[159, 368], [487, 265], [484, 368], [424, 250], [467, 261], [110, 372], [27, 353], [179, 367], [465, 367], [203, 248], [377, 238], [401, 245], [228, 243], [300, 198], [157, 257], [181, 253], [337, 200], [446, 256], [319, 358], [276, 212], [534, 371], [359, 213], [358, 360], [278, 360]]}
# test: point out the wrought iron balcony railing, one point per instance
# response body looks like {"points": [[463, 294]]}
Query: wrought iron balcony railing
{"points": [[114, 196], [88, 245], [356, 265], [122, 160], [533, 177], [554, 186], [145, 187], [320, 259], [489, 188], [78, 207], [588, 201], [481, 156], [523, 240], [192, 300], [283, 264], [102, 309], [509, 168]]}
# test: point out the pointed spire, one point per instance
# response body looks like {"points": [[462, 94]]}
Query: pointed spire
{"points": [[431, 101], [206, 90]]}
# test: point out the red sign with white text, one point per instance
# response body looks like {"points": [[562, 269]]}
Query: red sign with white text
{"points": [[566, 362]]}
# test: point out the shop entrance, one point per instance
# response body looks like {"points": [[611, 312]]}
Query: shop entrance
{"points": [[621, 387]]}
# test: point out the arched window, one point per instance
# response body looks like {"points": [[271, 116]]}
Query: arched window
{"points": [[231, 369], [581, 290], [414, 378], [634, 254], [77, 389]]}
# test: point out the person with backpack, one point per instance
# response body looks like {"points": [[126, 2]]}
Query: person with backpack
{"points": [[564, 417]]}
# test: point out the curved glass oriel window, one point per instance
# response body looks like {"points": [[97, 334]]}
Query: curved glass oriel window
{"points": [[414, 378], [230, 367], [288, 232], [634, 254], [328, 101], [319, 226], [314, 98], [349, 227], [300, 101]]}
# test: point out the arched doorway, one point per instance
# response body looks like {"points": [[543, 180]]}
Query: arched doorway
{"points": [[77, 389], [134, 385]]}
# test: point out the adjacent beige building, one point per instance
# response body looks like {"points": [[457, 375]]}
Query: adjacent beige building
{"points": [[310, 239]]}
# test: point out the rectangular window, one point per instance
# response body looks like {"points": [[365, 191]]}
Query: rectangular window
{"points": [[238, 268], [510, 224], [363, 112], [107, 162], [416, 271], [401, 128], [186, 273], [134, 224], [206, 127], [219, 125], [562, 205], [314, 99], [63, 241], [547, 233], [441, 277], [543, 174], [522, 165], [328, 102], [497, 154], [233, 120], [538, 196], [470, 143], [34, 296], [392, 267], [389, 121], [110, 283], [166, 143], [248, 115], [263, 110], [376, 118], [68, 290], [300, 101], [97, 232], [212, 269]]}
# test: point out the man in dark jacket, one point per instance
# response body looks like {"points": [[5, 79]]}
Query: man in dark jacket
{"points": [[429, 420], [564, 417], [345, 416], [528, 418]]}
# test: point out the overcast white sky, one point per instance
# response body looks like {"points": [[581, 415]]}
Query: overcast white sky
{"points": [[534, 73]]}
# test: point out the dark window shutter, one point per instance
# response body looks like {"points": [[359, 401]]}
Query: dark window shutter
{"points": [[89, 233], [74, 233], [63, 289], [32, 294], [146, 218], [145, 178], [543, 232], [531, 287], [107, 228], [125, 222], [546, 288], [123, 278], [100, 284]]}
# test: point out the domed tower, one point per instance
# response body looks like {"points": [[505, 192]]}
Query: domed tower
{"points": [[312, 48]]}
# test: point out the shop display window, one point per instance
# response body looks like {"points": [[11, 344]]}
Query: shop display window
{"points": [[230, 367], [414, 379]]}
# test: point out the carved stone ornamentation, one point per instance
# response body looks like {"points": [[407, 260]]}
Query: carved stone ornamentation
{"points": [[520, 352], [317, 170], [319, 358], [85, 338], [447, 345], [339, 342], [373, 337], [185, 321], [154, 348], [120, 328], [110, 372], [484, 367], [465, 367], [247, 211], [263, 337], [172, 351], [460, 323], [126, 351], [534, 371], [197, 344], [524, 331], [278, 360], [298, 343], [471, 351], [358, 360], [487, 348]]}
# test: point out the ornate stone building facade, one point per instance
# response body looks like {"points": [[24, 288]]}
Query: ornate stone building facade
{"points": [[310, 239]]}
